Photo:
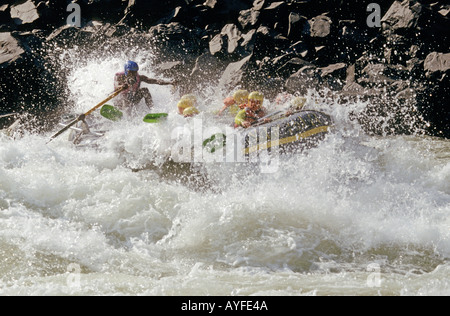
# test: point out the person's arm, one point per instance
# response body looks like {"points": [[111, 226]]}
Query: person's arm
{"points": [[156, 81], [119, 82], [222, 110], [227, 103]]}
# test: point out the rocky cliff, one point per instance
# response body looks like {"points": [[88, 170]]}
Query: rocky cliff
{"points": [[395, 54]]}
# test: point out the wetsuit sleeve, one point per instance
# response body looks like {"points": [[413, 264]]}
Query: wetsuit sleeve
{"points": [[240, 117]]}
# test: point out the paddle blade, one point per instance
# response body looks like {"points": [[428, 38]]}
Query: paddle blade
{"points": [[155, 117], [111, 113]]}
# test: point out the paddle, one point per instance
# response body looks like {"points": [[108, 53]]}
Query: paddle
{"points": [[114, 114], [261, 120], [80, 130], [83, 116], [155, 117], [111, 113]]}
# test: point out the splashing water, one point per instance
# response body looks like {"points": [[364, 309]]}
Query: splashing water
{"points": [[357, 215]]}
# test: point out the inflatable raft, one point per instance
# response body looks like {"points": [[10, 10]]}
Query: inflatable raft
{"points": [[285, 134]]}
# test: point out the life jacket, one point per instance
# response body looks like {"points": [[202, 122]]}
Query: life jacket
{"points": [[251, 116], [254, 115], [120, 79]]}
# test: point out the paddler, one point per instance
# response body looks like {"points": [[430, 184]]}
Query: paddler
{"points": [[235, 103], [252, 112], [134, 93]]}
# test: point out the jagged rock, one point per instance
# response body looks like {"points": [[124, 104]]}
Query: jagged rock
{"points": [[336, 70], [10, 50], [258, 4], [227, 41], [208, 68], [114, 31], [421, 23], [333, 76], [248, 18], [216, 45], [233, 75], [304, 79], [352, 89], [70, 36], [297, 26], [291, 66], [415, 68], [320, 26], [445, 10], [24, 13], [402, 15], [437, 65], [305, 43], [28, 15]]}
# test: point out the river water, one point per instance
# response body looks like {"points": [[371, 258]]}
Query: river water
{"points": [[357, 215]]}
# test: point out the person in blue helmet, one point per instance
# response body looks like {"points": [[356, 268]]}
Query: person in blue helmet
{"points": [[132, 80]]}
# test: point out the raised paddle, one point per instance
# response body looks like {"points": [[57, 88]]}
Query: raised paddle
{"points": [[82, 116]]}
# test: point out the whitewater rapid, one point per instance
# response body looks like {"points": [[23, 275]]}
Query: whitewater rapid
{"points": [[358, 215]]}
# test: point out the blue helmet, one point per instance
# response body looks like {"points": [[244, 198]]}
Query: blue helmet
{"points": [[131, 66]]}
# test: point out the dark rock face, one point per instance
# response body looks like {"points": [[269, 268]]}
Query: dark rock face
{"points": [[25, 82], [261, 44]]}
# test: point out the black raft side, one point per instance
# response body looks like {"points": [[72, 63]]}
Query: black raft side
{"points": [[299, 131]]}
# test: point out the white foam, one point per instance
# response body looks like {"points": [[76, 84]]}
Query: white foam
{"points": [[338, 208]]}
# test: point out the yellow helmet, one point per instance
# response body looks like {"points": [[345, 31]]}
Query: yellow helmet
{"points": [[191, 111], [256, 96], [185, 103], [241, 96], [298, 103]]}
